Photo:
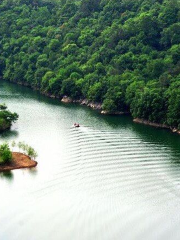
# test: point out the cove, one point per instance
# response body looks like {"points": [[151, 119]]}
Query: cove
{"points": [[108, 179]]}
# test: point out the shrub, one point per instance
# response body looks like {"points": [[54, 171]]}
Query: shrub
{"points": [[27, 149], [5, 153]]}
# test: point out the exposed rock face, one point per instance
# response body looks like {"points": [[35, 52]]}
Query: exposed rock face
{"points": [[175, 130], [85, 102], [66, 99], [93, 105], [97, 106], [113, 113]]}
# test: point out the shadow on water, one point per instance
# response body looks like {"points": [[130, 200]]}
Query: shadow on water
{"points": [[33, 171], [17, 91], [146, 133], [149, 134], [158, 135], [8, 175], [9, 134]]}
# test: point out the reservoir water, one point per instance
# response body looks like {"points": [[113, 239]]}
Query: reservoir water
{"points": [[109, 179]]}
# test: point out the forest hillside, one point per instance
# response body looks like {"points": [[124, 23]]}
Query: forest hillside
{"points": [[124, 54]]}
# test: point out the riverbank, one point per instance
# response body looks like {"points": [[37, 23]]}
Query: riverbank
{"points": [[98, 107], [157, 125], [84, 102], [19, 161], [145, 122], [93, 105]]}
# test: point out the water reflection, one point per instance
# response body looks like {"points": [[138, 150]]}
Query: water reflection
{"points": [[8, 175], [33, 171], [9, 134]]}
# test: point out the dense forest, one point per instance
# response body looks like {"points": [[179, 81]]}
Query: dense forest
{"points": [[124, 54]]}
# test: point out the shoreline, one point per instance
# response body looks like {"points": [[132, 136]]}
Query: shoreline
{"points": [[98, 107], [94, 105], [156, 125], [65, 99], [19, 161], [146, 122]]}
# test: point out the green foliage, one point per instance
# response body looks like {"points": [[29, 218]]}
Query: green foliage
{"points": [[174, 104], [109, 105], [96, 92], [26, 149], [124, 54], [6, 117], [3, 107], [5, 153]]}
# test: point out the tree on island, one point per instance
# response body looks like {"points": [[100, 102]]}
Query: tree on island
{"points": [[32, 153], [3, 107], [6, 117], [5, 153], [26, 149], [13, 144]]}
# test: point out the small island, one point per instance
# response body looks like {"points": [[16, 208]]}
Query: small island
{"points": [[10, 160], [19, 160], [6, 118]]}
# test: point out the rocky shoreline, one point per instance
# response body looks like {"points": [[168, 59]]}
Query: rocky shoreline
{"points": [[83, 102], [98, 106], [19, 161], [145, 122], [93, 105], [157, 125]]}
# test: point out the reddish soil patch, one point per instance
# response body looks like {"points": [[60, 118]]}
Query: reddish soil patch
{"points": [[19, 161]]}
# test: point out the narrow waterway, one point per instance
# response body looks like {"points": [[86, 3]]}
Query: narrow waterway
{"points": [[109, 179]]}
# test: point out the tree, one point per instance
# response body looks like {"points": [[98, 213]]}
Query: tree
{"points": [[124, 54], [109, 105], [27, 149], [5, 153], [96, 92], [173, 115], [6, 118], [3, 107], [31, 152], [53, 45], [13, 144]]}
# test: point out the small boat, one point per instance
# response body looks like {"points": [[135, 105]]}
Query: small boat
{"points": [[76, 125]]}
